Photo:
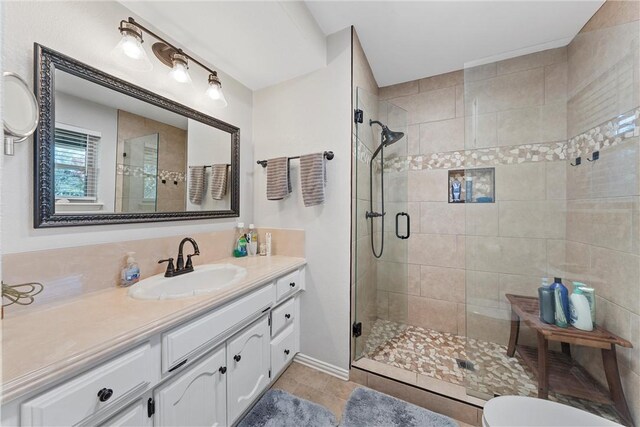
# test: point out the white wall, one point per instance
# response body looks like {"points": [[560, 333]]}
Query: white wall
{"points": [[87, 31], [84, 114], [305, 115], [207, 146]]}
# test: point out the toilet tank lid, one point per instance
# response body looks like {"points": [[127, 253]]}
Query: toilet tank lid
{"points": [[522, 411]]}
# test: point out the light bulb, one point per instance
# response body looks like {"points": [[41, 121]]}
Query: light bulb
{"points": [[129, 52], [214, 91], [131, 47], [180, 70]]}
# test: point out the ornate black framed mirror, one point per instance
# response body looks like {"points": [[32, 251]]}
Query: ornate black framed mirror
{"points": [[109, 152]]}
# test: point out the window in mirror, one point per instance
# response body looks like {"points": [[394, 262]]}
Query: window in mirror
{"points": [[75, 163]]}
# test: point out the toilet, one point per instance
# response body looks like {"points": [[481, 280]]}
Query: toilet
{"points": [[521, 411]]}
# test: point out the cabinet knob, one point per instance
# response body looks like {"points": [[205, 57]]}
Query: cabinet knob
{"points": [[287, 352], [287, 316], [292, 284], [237, 357], [223, 370], [105, 394]]}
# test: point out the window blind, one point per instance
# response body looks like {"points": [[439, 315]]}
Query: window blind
{"points": [[76, 160]]}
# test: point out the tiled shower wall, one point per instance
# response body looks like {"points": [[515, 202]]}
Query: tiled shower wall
{"points": [[510, 115], [603, 228]]}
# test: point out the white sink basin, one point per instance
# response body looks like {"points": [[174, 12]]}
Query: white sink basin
{"points": [[204, 278]]}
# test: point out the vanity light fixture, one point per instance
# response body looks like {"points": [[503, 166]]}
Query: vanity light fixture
{"points": [[129, 51], [215, 90], [180, 70], [130, 47]]}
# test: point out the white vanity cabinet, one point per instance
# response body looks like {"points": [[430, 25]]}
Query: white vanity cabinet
{"points": [[135, 415], [196, 397], [208, 370], [248, 360]]}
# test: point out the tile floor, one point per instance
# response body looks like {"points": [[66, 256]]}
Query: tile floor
{"points": [[326, 390], [435, 354]]}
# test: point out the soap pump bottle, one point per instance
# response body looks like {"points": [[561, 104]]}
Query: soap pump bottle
{"points": [[561, 298], [131, 272]]}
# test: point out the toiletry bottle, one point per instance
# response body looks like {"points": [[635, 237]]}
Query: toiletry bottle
{"points": [[131, 272], [580, 311], [590, 294], [547, 302], [267, 238], [456, 188], [561, 297], [237, 247], [468, 189], [252, 240]]}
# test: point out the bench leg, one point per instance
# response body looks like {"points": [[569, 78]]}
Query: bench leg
{"points": [[610, 362], [513, 337], [543, 371]]}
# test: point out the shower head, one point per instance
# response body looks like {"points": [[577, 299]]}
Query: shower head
{"points": [[387, 136]]}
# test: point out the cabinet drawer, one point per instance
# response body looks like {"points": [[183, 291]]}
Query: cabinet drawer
{"points": [[283, 316], [288, 284], [283, 348], [77, 399], [188, 339]]}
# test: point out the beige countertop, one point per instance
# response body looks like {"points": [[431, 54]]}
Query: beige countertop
{"points": [[48, 344]]}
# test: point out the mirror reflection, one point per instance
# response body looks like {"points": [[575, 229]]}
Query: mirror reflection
{"points": [[117, 154]]}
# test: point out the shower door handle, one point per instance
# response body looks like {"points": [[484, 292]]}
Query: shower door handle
{"points": [[398, 215]]}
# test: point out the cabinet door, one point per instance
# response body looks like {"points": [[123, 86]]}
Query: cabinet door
{"points": [[197, 397], [132, 416], [248, 360]]}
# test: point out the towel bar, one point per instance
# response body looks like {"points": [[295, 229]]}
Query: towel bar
{"points": [[327, 155]]}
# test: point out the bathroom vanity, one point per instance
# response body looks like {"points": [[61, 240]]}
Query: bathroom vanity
{"points": [[199, 361]]}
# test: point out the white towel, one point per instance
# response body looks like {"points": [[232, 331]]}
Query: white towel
{"points": [[196, 184], [219, 175], [313, 177], [278, 179]]}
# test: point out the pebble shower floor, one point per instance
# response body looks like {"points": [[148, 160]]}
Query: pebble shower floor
{"points": [[437, 354]]}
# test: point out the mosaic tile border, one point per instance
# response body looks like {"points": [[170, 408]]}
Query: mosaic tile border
{"points": [[138, 171], [606, 135]]}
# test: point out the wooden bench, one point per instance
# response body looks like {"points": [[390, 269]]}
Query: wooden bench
{"points": [[557, 371]]}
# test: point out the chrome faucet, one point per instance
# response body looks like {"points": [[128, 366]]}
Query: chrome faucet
{"points": [[180, 267]]}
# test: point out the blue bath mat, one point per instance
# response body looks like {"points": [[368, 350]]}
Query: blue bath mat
{"points": [[277, 408], [366, 407]]}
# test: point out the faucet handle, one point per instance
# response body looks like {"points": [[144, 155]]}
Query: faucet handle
{"points": [[189, 263], [170, 268]]}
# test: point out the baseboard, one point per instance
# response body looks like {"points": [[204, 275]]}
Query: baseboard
{"points": [[319, 365]]}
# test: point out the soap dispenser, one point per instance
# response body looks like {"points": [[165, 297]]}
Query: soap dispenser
{"points": [[131, 272]]}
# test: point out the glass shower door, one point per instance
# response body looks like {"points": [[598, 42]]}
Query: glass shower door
{"points": [[382, 225]]}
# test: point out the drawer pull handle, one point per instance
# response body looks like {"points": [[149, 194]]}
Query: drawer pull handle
{"points": [[237, 357], [105, 394], [287, 316], [223, 370], [292, 284], [287, 352]]}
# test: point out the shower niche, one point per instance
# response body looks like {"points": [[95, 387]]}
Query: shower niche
{"points": [[472, 185]]}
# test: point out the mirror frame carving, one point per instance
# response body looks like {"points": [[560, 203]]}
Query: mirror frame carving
{"points": [[46, 61]]}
